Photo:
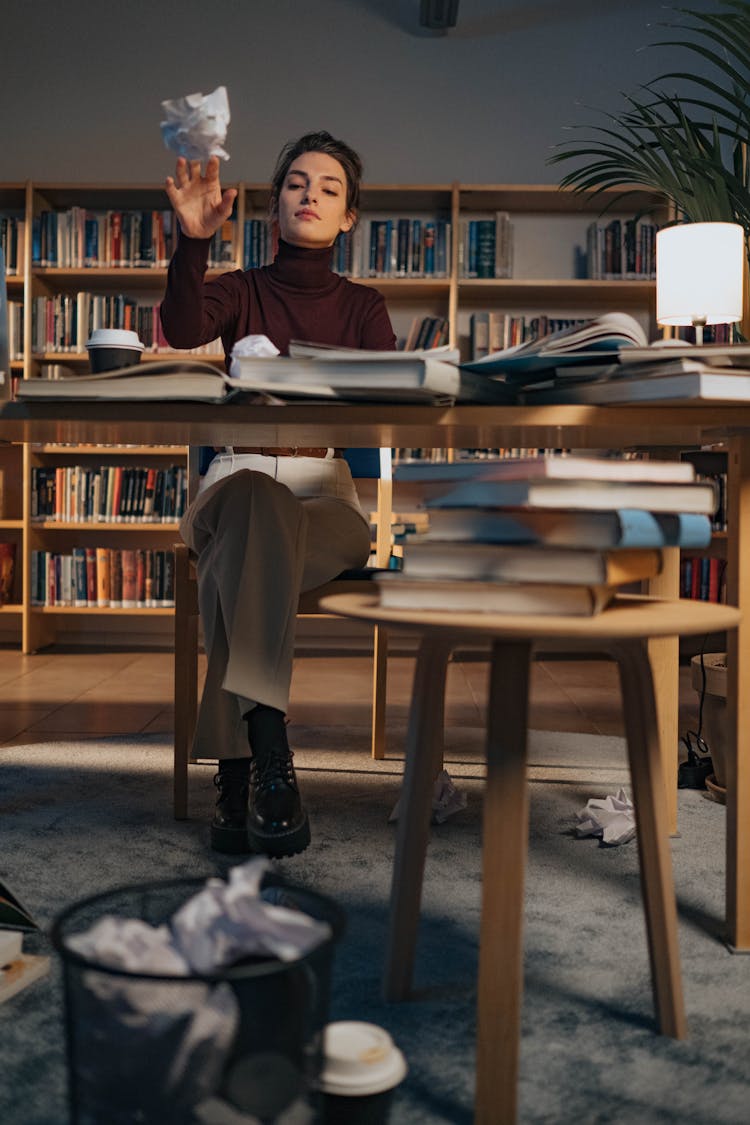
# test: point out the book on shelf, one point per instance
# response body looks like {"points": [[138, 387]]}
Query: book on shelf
{"points": [[598, 339], [592, 495], [459, 596], [547, 468], [495, 562]]}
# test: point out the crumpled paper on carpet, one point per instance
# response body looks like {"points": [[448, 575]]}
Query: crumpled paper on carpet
{"points": [[446, 800], [196, 125], [611, 818]]}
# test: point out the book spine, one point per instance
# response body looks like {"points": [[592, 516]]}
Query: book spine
{"points": [[102, 576], [129, 580], [91, 585]]}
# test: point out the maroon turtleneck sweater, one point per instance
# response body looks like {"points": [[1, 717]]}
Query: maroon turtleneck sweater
{"points": [[298, 297]]}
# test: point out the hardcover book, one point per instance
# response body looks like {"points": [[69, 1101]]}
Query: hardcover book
{"points": [[458, 596]]}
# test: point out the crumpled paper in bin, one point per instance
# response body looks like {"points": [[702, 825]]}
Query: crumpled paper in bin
{"points": [[156, 1043], [611, 818], [196, 125]]}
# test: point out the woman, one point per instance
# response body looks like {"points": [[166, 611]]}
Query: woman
{"points": [[267, 523]]}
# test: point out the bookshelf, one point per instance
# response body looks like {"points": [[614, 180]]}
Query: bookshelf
{"points": [[549, 231]]}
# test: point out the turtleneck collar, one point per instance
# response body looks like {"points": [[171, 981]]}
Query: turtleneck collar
{"points": [[303, 268]]}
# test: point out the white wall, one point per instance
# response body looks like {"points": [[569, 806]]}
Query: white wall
{"points": [[82, 82]]}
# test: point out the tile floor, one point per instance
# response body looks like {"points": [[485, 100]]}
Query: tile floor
{"points": [[84, 693]]}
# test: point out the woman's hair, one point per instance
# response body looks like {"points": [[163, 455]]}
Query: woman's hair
{"points": [[318, 142]]}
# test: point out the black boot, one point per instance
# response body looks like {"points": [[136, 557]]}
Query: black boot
{"points": [[229, 825], [277, 823]]}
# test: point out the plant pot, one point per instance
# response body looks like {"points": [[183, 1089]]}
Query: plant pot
{"points": [[714, 709]]}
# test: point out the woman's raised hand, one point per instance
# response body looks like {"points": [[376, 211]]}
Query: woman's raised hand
{"points": [[199, 203]]}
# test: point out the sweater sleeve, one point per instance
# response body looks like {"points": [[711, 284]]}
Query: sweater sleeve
{"points": [[377, 330], [194, 312]]}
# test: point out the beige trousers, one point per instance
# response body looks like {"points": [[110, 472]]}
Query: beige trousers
{"points": [[264, 529]]}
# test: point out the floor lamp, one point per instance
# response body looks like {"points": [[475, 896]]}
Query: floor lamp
{"points": [[699, 275]]}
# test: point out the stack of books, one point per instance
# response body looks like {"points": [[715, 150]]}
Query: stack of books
{"points": [[544, 535]]}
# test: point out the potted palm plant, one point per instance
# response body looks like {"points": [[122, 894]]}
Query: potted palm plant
{"points": [[692, 146]]}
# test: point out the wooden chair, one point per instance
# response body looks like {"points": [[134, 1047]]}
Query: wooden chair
{"points": [[186, 622], [623, 630]]}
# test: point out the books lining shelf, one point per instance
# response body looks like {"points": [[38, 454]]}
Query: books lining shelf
{"points": [[492, 331], [79, 238], [103, 578], [107, 494], [63, 322]]}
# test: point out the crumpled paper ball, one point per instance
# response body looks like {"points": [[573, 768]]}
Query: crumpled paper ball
{"points": [[611, 818], [196, 125]]}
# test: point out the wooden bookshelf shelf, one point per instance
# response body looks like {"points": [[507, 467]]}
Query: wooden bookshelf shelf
{"points": [[73, 525], [102, 611]]}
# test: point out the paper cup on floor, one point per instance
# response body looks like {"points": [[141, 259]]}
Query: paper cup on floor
{"points": [[362, 1067], [110, 348]]}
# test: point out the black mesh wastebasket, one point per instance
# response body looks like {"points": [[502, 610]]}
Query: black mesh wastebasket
{"points": [[164, 1050]]}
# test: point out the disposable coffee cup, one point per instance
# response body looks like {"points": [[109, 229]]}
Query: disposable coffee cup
{"points": [[362, 1067], [110, 348]]}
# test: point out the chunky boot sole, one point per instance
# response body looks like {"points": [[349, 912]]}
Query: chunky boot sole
{"points": [[278, 844], [230, 841]]}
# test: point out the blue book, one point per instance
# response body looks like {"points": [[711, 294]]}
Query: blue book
{"points": [[621, 528]]}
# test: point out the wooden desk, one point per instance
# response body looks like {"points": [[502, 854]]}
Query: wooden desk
{"points": [[576, 427]]}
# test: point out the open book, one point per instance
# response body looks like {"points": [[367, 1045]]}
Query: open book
{"points": [[14, 916], [331, 375], [598, 341]]}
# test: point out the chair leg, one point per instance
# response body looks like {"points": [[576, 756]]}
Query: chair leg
{"points": [[379, 684], [504, 850], [185, 681], [425, 724], [652, 823]]}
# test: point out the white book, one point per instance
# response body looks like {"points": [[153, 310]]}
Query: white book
{"points": [[589, 495]]}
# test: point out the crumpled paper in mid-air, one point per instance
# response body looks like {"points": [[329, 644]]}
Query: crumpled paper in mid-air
{"points": [[196, 125], [612, 818]]}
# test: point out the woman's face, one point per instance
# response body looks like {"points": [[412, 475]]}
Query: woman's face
{"points": [[311, 208]]}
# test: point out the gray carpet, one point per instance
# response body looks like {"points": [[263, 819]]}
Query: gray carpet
{"points": [[81, 818]]}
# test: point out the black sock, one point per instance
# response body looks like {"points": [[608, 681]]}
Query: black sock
{"points": [[266, 728], [235, 767]]}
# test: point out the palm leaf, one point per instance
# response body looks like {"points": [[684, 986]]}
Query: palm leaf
{"points": [[689, 147]]}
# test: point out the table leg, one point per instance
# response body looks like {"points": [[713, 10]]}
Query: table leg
{"points": [[738, 697], [425, 730], [665, 658], [657, 886], [504, 848]]}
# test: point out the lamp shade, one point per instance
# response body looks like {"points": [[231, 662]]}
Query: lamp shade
{"points": [[699, 273]]}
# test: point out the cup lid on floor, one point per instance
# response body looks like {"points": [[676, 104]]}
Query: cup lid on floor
{"points": [[360, 1059]]}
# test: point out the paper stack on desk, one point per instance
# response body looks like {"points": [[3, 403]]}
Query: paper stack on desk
{"points": [[544, 535]]}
